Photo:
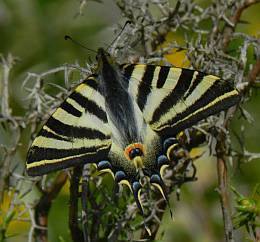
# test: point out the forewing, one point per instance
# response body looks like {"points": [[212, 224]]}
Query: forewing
{"points": [[172, 99], [75, 134]]}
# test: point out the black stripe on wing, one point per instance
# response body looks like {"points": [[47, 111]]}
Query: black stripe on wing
{"points": [[196, 81], [73, 131], [89, 105], [163, 74], [127, 70], [65, 158], [45, 133], [70, 109], [208, 104], [40, 153], [177, 94], [144, 88]]}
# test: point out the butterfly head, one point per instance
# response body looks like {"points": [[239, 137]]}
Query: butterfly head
{"points": [[103, 57]]}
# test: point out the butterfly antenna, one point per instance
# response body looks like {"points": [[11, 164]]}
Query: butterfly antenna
{"points": [[118, 36], [68, 37]]}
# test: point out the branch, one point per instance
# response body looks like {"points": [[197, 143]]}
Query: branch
{"points": [[165, 28], [223, 188], [76, 233], [44, 204], [220, 148], [234, 18], [255, 72], [6, 114], [222, 178]]}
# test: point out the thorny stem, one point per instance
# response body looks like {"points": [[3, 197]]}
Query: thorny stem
{"points": [[161, 206]]}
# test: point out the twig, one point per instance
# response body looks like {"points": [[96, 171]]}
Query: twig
{"points": [[223, 188], [234, 18], [76, 233], [166, 27], [6, 113], [255, 72]]}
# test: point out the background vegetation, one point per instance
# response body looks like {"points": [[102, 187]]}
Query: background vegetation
{"points": [[219, 37]]}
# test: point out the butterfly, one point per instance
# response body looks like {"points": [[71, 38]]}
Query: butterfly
{"points": [[124, 118]]}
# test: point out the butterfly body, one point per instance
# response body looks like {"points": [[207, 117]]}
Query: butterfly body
{"points": [[123, 118]]}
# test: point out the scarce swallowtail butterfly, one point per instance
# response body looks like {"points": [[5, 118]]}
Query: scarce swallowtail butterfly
{"points": [[125, 118]]}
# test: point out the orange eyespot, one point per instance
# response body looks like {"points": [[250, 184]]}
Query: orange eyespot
{"points": [[141, 147], [128, 150], [133, 150]]}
